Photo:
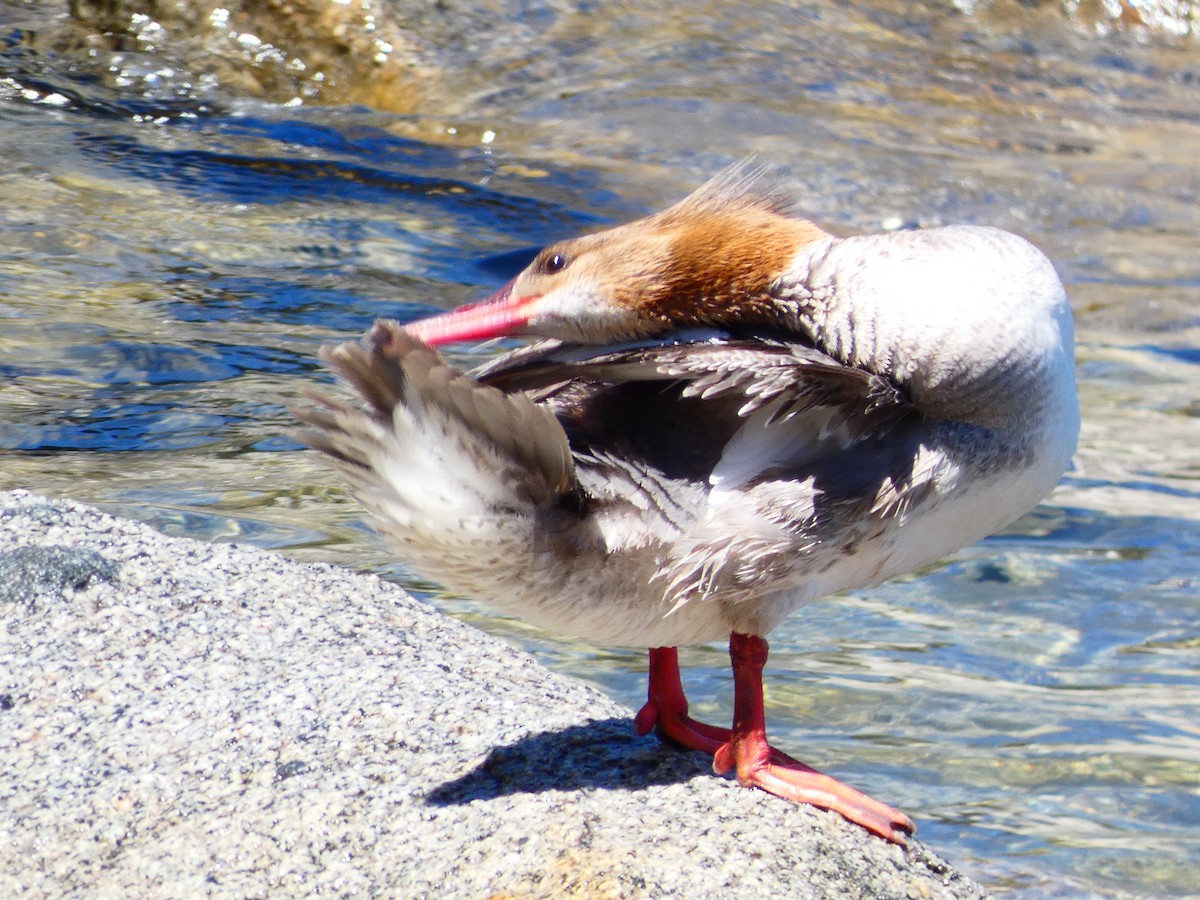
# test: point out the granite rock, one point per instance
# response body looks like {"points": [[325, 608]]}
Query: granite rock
{"points": [[185, 719]]}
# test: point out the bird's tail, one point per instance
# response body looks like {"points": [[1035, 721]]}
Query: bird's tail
{"points": [[454, 472]]}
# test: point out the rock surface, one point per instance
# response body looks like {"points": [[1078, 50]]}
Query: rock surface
{"points": [[186, 719]]}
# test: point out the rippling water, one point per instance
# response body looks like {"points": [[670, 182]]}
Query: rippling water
{"points": [[169, 267]]}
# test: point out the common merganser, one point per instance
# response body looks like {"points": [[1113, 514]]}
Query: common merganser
{"points": [[732, 413]]}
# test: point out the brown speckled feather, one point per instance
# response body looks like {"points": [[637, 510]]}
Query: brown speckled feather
{"points": [[390, 369]]}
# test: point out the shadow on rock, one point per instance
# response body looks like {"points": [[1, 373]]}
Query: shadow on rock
{"points": [[601, 754]]}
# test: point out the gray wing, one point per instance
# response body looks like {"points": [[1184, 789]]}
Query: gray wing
{"points": [[750, 460], [676, 405]]}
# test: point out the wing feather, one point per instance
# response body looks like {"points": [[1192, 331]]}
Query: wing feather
{"points": [[750, 458]]}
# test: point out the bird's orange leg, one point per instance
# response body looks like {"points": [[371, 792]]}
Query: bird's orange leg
{"points": [[745, 750], [758, 764], [666, 708]]}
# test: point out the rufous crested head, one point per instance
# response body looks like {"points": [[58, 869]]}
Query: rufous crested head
{"points": [[708, 260]]}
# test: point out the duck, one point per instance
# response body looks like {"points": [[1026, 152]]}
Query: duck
{"points": [[726, 413]]}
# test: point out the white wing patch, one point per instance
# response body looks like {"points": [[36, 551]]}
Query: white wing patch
{"points": [[775, 436]]}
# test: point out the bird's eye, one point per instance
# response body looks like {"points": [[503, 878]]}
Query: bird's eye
{"points": [[553, 263]]}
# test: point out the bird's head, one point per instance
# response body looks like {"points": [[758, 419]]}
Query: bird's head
{"points": [[709, 260]]}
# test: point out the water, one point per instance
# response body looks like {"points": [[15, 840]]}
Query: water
{"points": [[171, 260]]}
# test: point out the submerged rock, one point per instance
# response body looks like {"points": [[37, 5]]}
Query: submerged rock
{"points": [[439, 58]]}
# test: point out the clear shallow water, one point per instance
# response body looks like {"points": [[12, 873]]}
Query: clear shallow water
{"points": [[168, 270]]}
